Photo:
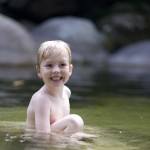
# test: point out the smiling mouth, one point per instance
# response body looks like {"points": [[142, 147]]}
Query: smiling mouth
{"points": [[56, 78]]}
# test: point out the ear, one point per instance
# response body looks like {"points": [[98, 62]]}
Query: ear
{"points": [[70, 69], [38, 71]]}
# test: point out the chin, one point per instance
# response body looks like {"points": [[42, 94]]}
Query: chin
{"points": [[57, 83]]}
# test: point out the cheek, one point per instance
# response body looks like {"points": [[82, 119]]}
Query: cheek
{"points": [[43, 73], [46, 74]]}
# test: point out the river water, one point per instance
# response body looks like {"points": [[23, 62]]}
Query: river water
{"points": [[114, 120]]}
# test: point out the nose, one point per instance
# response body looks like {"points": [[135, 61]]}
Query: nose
{"points": [[56, 69]]}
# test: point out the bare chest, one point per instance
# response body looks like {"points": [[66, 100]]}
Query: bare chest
{"points": [[59, 108]]}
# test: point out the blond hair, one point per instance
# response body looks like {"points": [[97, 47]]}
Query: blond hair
{"points": [[48, 48]]}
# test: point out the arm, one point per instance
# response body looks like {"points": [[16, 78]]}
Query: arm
{"points": [[68, 92], [67, 103], [42, 114]]}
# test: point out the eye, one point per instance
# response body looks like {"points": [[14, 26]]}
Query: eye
{"points": [[49, 65], [63, 64]]}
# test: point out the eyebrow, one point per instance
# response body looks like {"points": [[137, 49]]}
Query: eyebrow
{"points": [[62, 60]]}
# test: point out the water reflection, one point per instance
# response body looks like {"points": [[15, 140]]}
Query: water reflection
{"points": [[17, 92]]}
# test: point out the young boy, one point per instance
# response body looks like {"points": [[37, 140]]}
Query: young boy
{"points": [[49, 108]]}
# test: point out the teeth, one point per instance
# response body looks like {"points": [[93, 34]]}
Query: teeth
{"points": [[56, 78]]}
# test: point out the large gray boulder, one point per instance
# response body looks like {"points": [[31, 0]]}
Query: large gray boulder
{"points": [[132, 62], [16, 48]]}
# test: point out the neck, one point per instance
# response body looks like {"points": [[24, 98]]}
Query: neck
{"points": [[54, 91]]}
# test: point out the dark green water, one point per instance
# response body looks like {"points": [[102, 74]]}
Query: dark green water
{"points": [[117, 121]]}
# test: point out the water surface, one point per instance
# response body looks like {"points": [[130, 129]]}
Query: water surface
{"points": [[118, 121]]}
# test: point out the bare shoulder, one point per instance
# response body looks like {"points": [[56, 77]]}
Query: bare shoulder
{"points": [[67, 91], [39, 100]]}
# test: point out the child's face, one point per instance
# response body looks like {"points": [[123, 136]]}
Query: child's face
{"points": [[55, 70]]}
